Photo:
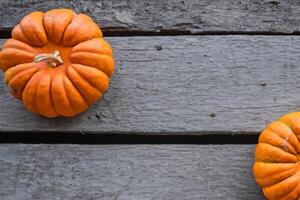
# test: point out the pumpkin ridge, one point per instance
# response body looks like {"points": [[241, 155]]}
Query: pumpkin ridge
{"points": [[44, 30], [11, 43], [280, 120], [16, 52], [88, 30], [79, 74], [75, 86], [51, 98], [276, 185], [280, 149], [52, 23], [35, 93], [21, 50], [39, 39], [18, 29], [68, 95], [33, 35], [8, 65], [62, 36], [296, 187], [21, 73], [271, 176], [105, 69], [298, 196], [286, 144], [278, 182], [91, 52], [293, 165], [99, 50], [274, 149], [32, 106], [87, 80], [43, 20], [58, 94], [49, 19], [45, 108], [25, 36], [8, 75]]}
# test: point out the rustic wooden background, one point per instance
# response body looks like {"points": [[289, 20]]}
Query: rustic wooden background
{"points": [[195, 83]]}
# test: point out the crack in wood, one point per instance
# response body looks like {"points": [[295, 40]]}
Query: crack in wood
{"points": [[5, 33]]}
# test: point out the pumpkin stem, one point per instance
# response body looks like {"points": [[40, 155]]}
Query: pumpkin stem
{"points": [[52, 59]]}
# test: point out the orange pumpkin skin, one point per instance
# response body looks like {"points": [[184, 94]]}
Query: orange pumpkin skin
{"points": [[277, 159], [66, 89]]}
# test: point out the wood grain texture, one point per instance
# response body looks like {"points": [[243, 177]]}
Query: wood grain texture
{"points": [[127, 172], [189, 85], [192, 16]]}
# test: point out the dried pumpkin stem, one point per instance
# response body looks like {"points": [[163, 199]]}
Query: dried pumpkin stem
{"points": [[52, 59]]}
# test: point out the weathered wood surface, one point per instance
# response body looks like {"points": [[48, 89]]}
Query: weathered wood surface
{"points": [[184, 85], [127, 172], [182, 15]]}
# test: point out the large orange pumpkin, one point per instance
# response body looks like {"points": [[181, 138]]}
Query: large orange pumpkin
{"points": [[277, 159], [57, 62]]}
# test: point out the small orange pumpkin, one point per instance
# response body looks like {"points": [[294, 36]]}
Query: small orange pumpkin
{"points": [[277, 159], [57, 62]]}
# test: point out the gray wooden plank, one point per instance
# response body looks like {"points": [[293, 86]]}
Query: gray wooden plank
{"points": [[193, 85], [130, 172], [193, 15]]}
